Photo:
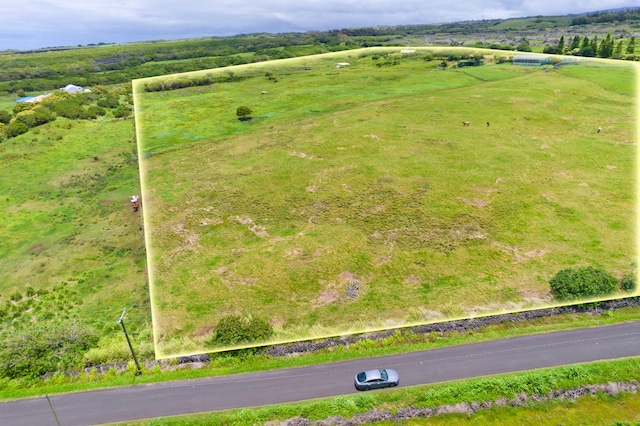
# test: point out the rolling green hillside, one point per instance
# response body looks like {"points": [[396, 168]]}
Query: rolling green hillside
{"points": [[70, 247], [355, 198]]}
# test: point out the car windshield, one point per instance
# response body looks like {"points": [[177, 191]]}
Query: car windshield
{"points": [[362, 377], [383, 374]]}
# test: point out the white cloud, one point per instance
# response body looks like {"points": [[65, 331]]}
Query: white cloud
{"points": [[41, 23]]}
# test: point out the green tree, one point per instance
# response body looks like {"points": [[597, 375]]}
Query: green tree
{"points": [[631, 47], [575, 44], [244, 113], [585, 42], [561, 45], [575, 284], [606, 47], [594, 45], [617, 53]]}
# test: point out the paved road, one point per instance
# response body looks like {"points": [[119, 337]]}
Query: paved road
{"points": [[217, 393]]}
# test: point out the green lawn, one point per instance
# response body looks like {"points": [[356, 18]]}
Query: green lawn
{"points": [[355, 199]]}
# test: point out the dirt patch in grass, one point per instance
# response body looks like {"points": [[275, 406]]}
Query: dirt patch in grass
{"points": [[204, 331], [520, 256], [189, 238], [476, 202], [329, 294], [348, 285]]}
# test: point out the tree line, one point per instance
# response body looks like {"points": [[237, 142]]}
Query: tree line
{"points": [[122, 63], [607, 48], [629, 14]]}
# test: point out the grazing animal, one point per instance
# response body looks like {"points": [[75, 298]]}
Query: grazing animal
{"points": [[487, 124], [599, 129], [465, 123], [135, 202]]}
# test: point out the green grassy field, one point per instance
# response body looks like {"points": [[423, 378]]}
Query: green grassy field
{"points": [[355, 199], [70, 246]]}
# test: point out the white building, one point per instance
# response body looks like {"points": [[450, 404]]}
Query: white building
{"points": [[70, 88]]}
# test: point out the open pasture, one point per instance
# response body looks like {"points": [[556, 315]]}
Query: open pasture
{"points": [[68, 239], [355, 199]]}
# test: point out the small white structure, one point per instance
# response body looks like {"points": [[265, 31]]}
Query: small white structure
{"points": [[342, 64], [407, 51], [72, 89]]}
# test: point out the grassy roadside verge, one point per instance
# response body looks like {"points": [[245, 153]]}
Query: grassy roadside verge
{"points": [[563, 395], [226, 365]]}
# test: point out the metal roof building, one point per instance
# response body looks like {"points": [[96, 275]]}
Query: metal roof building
{"points": [[534, 60]]}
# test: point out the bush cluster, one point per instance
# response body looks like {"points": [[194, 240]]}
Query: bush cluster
{"points": [[235, 330], [85, 106], [588, 282], [26, 118], [173, 84], [42, 348]]}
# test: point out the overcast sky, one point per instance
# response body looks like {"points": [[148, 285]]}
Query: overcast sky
{"points": [[28, 24]]}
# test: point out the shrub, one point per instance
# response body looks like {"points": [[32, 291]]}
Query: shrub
{"points": [[43, 348], [122, 111], [234, 330], [96, 111], [70, 108], [628, 283], [244, 112], [109, 101], [16, 128], [22, 106], [5, 117], [573, 284]]}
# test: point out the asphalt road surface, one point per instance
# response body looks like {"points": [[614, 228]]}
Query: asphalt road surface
{"points": [[272, 387]]}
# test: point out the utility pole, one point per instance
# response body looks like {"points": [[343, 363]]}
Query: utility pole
{"points": [[121, 322]]}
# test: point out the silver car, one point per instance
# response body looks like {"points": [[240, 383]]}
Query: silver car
{"points": [[374, 379]]}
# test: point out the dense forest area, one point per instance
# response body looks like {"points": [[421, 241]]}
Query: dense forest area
{"points": [[602, 17]]}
